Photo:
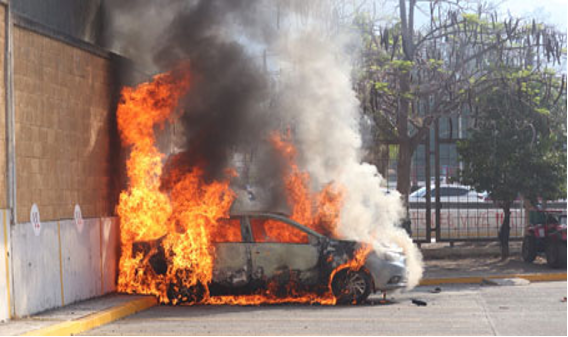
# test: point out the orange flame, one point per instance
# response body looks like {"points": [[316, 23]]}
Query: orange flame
{"points": [[328, 201], [184, 217], [183, 221]]}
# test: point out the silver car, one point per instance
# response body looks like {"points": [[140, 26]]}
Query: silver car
{"points": [[248, 257]]}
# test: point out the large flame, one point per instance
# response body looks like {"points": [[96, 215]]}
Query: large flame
{"points": [[183, 221], [325, 218]]}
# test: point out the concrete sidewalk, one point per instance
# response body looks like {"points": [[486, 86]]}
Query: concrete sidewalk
{"points": [[77, 317], [443, 250], [471, 262]]}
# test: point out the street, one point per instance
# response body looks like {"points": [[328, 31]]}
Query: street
{"points": [[535, 309]]}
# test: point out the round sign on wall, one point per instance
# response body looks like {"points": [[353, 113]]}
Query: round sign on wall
{"points": [[78, 218], [34, 219]]}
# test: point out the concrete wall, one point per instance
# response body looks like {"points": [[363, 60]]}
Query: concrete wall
{"points": [[5, 266], [62, 265], [62, 98]]}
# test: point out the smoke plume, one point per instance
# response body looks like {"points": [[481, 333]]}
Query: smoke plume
{"points": [[240, 96]]}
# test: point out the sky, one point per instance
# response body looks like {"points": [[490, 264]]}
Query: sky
{"points": [[549, 11], [553, 11]]}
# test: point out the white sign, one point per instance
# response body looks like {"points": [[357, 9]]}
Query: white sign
{"points": [[78, 218], [34, 219]]}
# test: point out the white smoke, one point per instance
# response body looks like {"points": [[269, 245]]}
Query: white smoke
{"points": [[316, 95]]}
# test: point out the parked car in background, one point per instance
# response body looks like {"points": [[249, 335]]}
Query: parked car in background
{"points": [[450, 193]]}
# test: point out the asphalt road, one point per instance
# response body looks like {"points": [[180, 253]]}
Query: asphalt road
{"points": [[535, 309]]}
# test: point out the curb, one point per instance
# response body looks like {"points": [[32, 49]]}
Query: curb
{"points": [[479, 279], [94, 320]]}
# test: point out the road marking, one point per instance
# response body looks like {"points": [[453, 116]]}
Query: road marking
{"points": [[299, 319], [7, 263], [543, 277], [94, 320], [60, 264]]}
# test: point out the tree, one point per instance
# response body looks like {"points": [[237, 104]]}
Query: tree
{"points": [[517, 146], [408, 78]]}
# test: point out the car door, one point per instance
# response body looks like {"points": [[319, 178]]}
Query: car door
{"points": [[282, 251], [231, 266]]}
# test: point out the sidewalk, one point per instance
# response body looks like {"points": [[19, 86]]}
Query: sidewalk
{"points": [[471, 262], [432, 251], [78, 317]]}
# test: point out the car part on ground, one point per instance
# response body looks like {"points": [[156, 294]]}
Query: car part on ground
{"points": [[419, 303]]}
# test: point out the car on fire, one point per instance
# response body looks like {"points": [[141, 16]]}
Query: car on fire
{"points": [[259, 250]]}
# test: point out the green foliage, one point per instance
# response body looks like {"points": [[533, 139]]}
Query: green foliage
{"points": [[471, 18], [518, 146], [382, 87], [401, 65]]}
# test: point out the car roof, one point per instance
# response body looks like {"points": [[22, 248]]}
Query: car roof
{"points": [[257, 213], [275, 215]]}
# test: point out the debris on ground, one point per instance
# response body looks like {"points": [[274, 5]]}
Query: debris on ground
{"points": [[436, 290], [419, 303], [505, 282], [379, 301]]}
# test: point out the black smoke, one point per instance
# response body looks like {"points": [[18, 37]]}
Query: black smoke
{"points": [[227, 109]]}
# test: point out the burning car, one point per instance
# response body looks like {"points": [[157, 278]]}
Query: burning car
{"points": [[257, 251]]}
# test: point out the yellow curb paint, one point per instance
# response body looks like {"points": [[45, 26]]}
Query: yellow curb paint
{"points": [[60, 264], [479, 279], [94, 320], [7, 263]]}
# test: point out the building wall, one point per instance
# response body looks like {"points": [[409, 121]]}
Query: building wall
{"points": [[62, 98], [3, 187], [63, 264], [81, 19], [67, 152], [6, 283]]}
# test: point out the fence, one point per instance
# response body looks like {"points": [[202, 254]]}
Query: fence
{"points": [[462, 216]]}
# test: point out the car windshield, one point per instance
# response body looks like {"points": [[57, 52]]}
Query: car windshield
{"points": [[419, 193], [266, 230]]}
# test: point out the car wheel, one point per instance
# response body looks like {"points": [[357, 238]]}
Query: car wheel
{"points": [[529, 249], [177, 293], [351, 286], [553, 253]]}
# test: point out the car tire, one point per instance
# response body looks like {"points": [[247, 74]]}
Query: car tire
{"points": [[562, 256], [351, 287], [553, 254], [178, 293], [529, 249]]}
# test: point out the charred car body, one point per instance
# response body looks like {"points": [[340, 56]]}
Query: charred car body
{"points": [[268, 250]]}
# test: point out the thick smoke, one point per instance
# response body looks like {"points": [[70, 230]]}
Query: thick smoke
{"points": [[318, 94], [224, 111], [234, 102]]}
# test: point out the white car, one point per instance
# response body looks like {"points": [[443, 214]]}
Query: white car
{"points": [[449, 193], [250, 255]]}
